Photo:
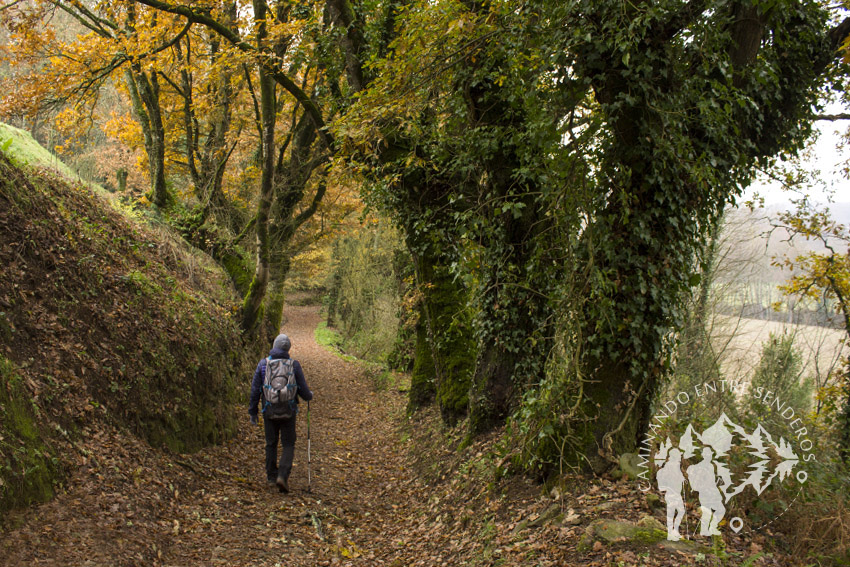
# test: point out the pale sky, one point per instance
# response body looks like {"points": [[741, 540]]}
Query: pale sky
{"points": [[826, 158]]}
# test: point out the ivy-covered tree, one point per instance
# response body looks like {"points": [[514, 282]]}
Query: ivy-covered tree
{"points": [[644, 119], [693, 95], [460, 148]]}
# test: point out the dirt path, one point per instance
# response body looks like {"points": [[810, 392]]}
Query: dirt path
{"points": [[354, 470], [129, 505]]}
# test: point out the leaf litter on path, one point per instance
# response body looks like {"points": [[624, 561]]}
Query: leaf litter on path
{"points": [[386, 490]]}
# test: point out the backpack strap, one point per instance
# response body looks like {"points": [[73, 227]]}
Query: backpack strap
{"points": [[266, 386], [266, 372]]}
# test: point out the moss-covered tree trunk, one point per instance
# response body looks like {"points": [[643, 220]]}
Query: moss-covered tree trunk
{"points": [[448, 327], [444, 357], [252, 306], [423, 376], [144, 94], [275, 297]]}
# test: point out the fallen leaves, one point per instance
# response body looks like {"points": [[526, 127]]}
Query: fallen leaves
{"points": [[375, 502]]}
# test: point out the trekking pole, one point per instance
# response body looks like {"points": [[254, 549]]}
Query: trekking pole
{"points": [[308, 448]]}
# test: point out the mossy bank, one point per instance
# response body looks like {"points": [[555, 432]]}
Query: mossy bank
{"points": [[103, 317]]}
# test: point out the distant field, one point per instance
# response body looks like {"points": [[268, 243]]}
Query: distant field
{"points": [[740, 341]]}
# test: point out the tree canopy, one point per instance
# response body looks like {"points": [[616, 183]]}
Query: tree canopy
{"points": [[555, 169]]}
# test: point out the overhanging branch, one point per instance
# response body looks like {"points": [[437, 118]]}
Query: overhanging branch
{"points": [[833, 117], [265, 59]]}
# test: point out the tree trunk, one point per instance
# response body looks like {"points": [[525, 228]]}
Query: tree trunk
{"points": [[448, 327], [144, 94], [121, 175], [515, 320], [422, 388], [514, 335], [275, 296], [160, 192], [273, 314], [252, 306], [653, 225], [292, 177]]}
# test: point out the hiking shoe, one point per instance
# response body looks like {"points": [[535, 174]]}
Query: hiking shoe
{"points": [[282, 484]]}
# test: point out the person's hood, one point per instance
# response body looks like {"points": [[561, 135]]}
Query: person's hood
{"points": [[279, 353], [282, 342]]}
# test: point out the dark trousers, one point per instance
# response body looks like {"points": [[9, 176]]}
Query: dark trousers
{"points": [[285, 429]]}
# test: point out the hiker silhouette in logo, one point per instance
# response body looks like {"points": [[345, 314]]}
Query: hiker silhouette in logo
{"points": [[703, 479], [278, 382], [670, 482]]}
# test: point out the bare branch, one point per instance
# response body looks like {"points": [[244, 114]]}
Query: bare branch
{"points": [[10, 5], [833, 117], [88, 19], [839, 33]]}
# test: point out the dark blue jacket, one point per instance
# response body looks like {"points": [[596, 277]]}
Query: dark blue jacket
{"points": [[260, 376]]}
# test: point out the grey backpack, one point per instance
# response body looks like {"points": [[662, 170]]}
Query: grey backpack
{"points": [[279, 389]]}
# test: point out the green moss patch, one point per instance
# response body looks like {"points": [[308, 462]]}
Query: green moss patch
{"points": [[27, 466], [648, 532], [25, 150]]}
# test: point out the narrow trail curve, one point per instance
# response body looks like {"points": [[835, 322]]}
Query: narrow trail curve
{"points": [[129, 505]]}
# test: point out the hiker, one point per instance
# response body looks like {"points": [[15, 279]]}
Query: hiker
{"points": [[280, 407]]}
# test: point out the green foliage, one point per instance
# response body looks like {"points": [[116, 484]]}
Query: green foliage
{"points": [[688, 111], [584, 155], [470, 148], [780, 371], [364, 292]]}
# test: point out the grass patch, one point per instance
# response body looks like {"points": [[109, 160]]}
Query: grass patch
{"points": [[22, 148], [381, 377], [328, 338]]}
